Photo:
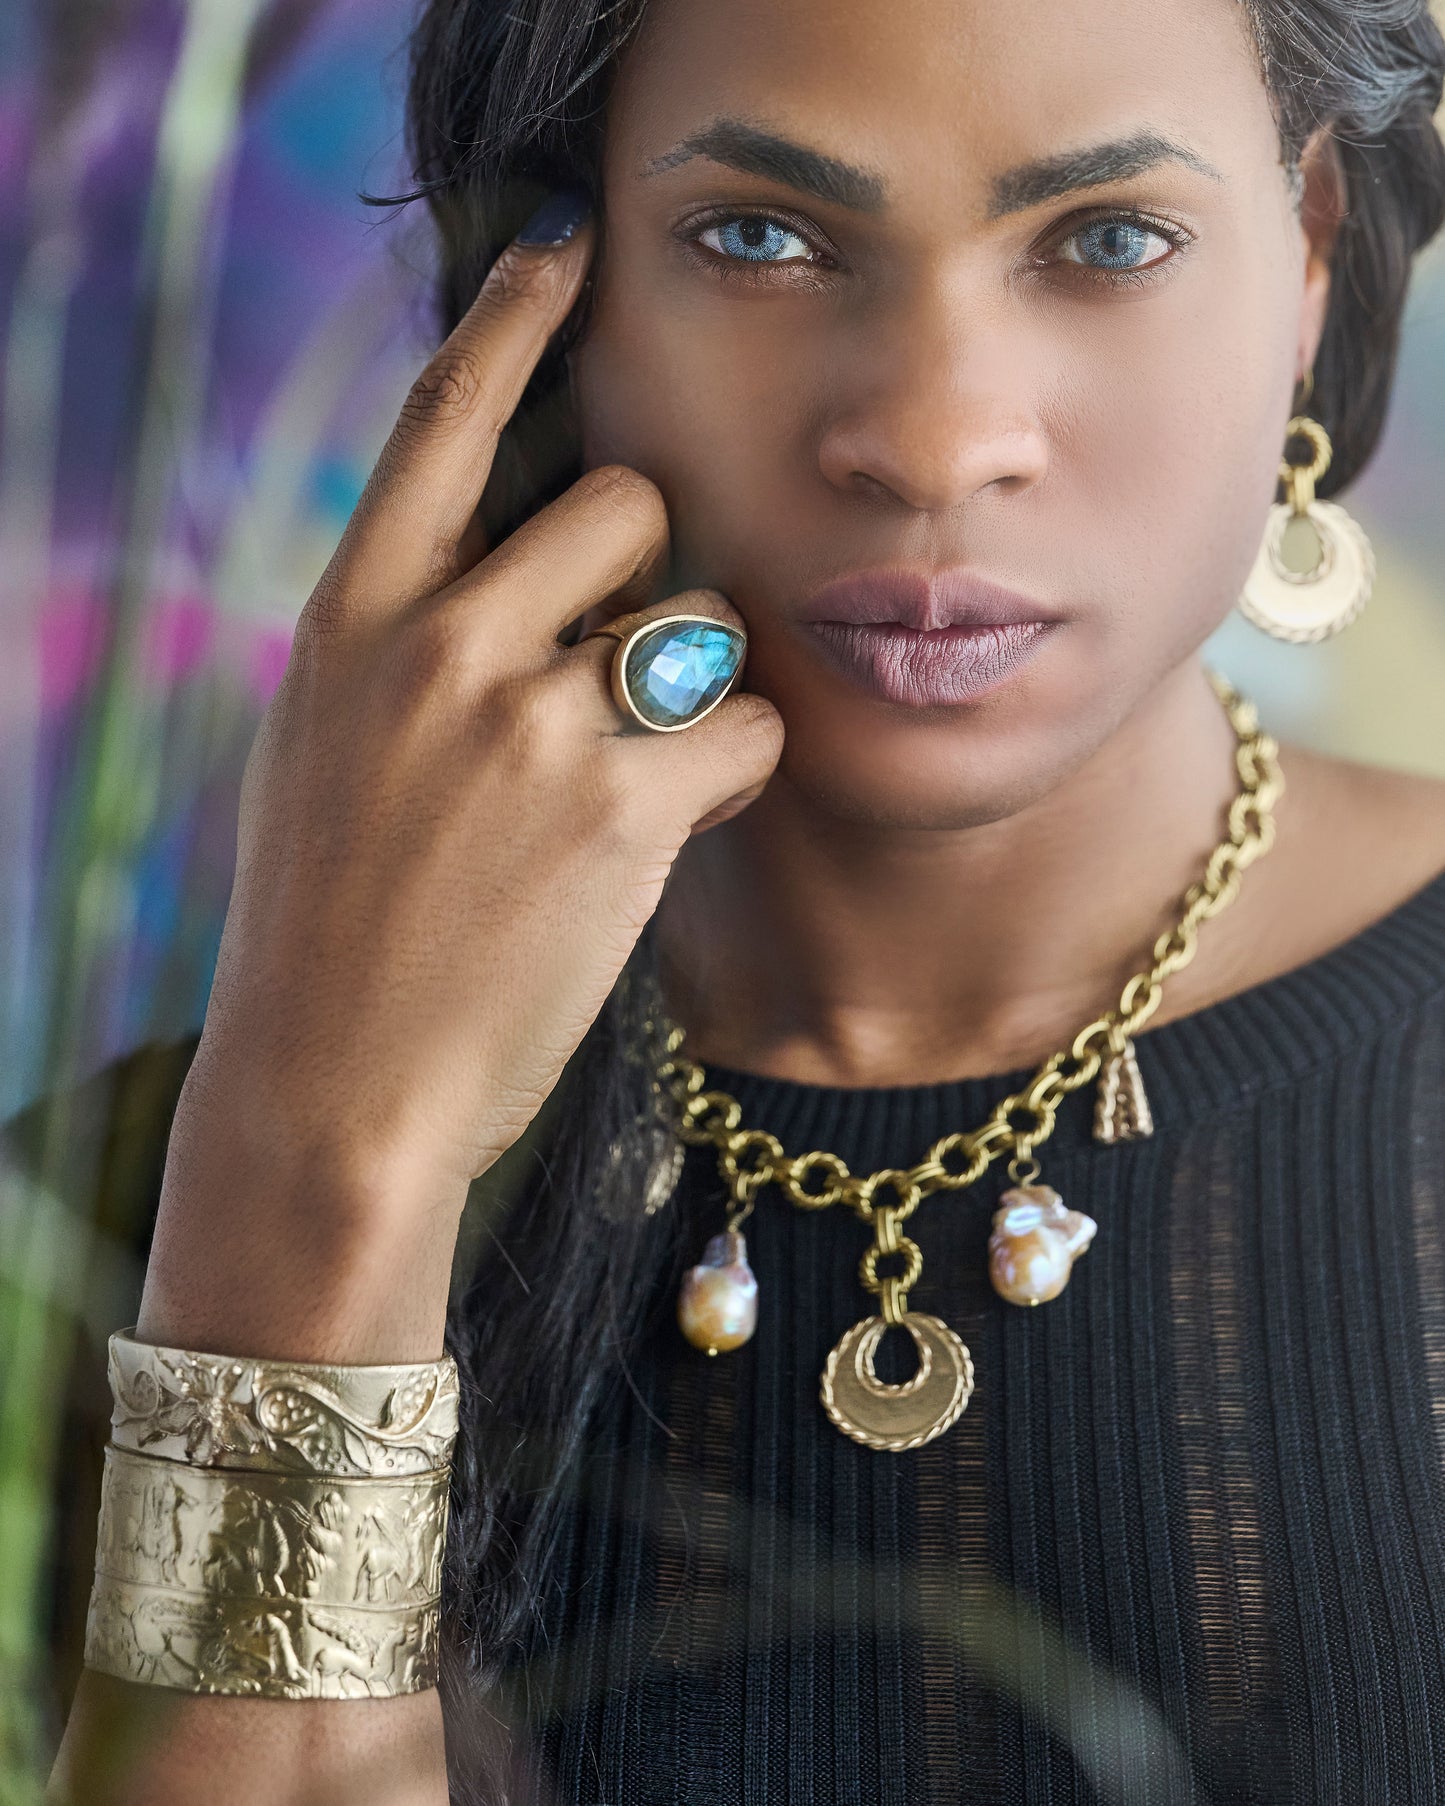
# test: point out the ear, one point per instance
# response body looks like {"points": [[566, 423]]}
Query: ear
{"points": [[1323, 204]]}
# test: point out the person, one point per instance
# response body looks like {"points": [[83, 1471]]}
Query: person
{"points": [[941, 358]]}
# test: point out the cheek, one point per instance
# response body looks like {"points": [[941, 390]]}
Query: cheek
{"points": [[658, 389], [1167, 436], [705, 399]]}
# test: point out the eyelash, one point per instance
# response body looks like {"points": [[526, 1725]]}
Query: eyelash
{"points": [[754, 270], [734, 269]]}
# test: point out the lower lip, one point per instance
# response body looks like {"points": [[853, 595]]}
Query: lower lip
{"points": [[923, 669]]}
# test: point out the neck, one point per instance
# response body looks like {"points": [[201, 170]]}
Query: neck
{"points": [[808, 947]]}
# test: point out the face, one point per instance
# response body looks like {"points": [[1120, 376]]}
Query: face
{"points": [[960, 340]]}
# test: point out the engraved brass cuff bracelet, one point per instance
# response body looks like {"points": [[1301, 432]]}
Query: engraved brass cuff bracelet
{"points": [[272, 1528]]}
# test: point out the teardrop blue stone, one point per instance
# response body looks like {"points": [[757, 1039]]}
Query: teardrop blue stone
{"points": [[675, 671]]}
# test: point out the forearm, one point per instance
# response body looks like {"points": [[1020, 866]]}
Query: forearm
{"points": [[278, 1240], [278, 1248], [132, 1745]]}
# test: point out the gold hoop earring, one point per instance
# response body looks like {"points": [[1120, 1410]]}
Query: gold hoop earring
{"points": [[1316, 568]]}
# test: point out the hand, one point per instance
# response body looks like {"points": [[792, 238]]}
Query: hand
{"points": [[449, 840]]}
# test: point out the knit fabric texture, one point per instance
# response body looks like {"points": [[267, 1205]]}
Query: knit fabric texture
{"points": [[1184, 1547], [1186, 1543]]}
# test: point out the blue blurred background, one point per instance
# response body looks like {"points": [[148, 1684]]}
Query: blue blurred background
{"points": [[205, 336]]}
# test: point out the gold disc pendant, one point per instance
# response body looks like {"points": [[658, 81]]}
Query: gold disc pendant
{"points": [[881, 1415]]}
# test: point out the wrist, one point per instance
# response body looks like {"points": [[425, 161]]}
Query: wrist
{"points": [[283, 1241]]}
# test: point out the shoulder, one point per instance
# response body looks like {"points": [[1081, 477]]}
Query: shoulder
{"points": [[1354, 785]]}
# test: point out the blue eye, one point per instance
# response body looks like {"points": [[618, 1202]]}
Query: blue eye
{"points": [[754, 238], [1115, 244]]}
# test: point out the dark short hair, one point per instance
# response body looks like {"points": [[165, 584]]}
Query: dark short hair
{"points": [[1370, 70]]}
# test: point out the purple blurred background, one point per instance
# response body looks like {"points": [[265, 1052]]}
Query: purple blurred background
{"points": [[205, 334]]}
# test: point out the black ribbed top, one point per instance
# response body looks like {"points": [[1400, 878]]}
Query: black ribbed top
{"points": [[1185, 1544]]}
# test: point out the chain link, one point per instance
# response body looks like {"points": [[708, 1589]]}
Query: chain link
{"points": [[751, 1159]]}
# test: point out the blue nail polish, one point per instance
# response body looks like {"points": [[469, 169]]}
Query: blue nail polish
{"points": [[557, 218]]}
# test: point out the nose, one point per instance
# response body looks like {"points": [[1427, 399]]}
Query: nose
{"points": [[934, 412]]}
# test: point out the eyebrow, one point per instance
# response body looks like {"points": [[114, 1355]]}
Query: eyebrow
{"points": [[760, 153], [757, 152], [1031, 184]]}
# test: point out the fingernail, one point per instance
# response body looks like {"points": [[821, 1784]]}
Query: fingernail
{"points": [[557, 218]]}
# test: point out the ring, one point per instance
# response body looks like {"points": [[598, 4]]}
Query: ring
{"points": [[667, 673]]}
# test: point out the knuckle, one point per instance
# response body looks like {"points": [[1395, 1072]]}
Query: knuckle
{"points": [[523, 277], [524, 716], [742, 740], [322, 620], [620, 487], [616, 800], [747, 719], [615, 813], [545, 753], [757, 720], [446, 391], [716, 603], [435, 658]]}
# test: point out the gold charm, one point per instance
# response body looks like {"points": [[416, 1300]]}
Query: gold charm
{"points": [[616, 1194], [1121, 1107], [1034, 1244], [1315, 568], [717, 1304], [906, 1415], [662, 1177]]}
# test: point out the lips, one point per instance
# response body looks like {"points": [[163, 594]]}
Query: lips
{"points": [[925, 640], [924, 600]]}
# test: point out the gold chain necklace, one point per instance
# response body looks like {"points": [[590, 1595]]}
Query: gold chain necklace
{"points": [[1034, 1241]]}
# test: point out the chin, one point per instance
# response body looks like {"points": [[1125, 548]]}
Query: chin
{"points": [[929, 786], [879, 764]]}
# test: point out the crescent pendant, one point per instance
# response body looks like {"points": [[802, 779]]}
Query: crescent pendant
{"points": [[882, 1415]]}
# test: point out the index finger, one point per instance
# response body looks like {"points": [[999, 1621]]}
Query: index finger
{"points": [[401, 543]]}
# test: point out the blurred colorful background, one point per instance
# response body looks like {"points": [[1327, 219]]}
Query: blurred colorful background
{"points": [[206, 334]]}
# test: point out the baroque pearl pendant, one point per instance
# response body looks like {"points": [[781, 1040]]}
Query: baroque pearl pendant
{"points": [[1034, 1244], [717, 1303]]}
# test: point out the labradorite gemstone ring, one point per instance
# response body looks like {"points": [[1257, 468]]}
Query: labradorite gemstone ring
{"points": [[668, 672]]}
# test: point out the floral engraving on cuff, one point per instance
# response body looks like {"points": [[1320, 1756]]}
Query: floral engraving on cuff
{"points": [[287, 1417]]}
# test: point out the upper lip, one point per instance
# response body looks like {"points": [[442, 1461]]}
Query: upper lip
{"points": [[921, 599]]}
